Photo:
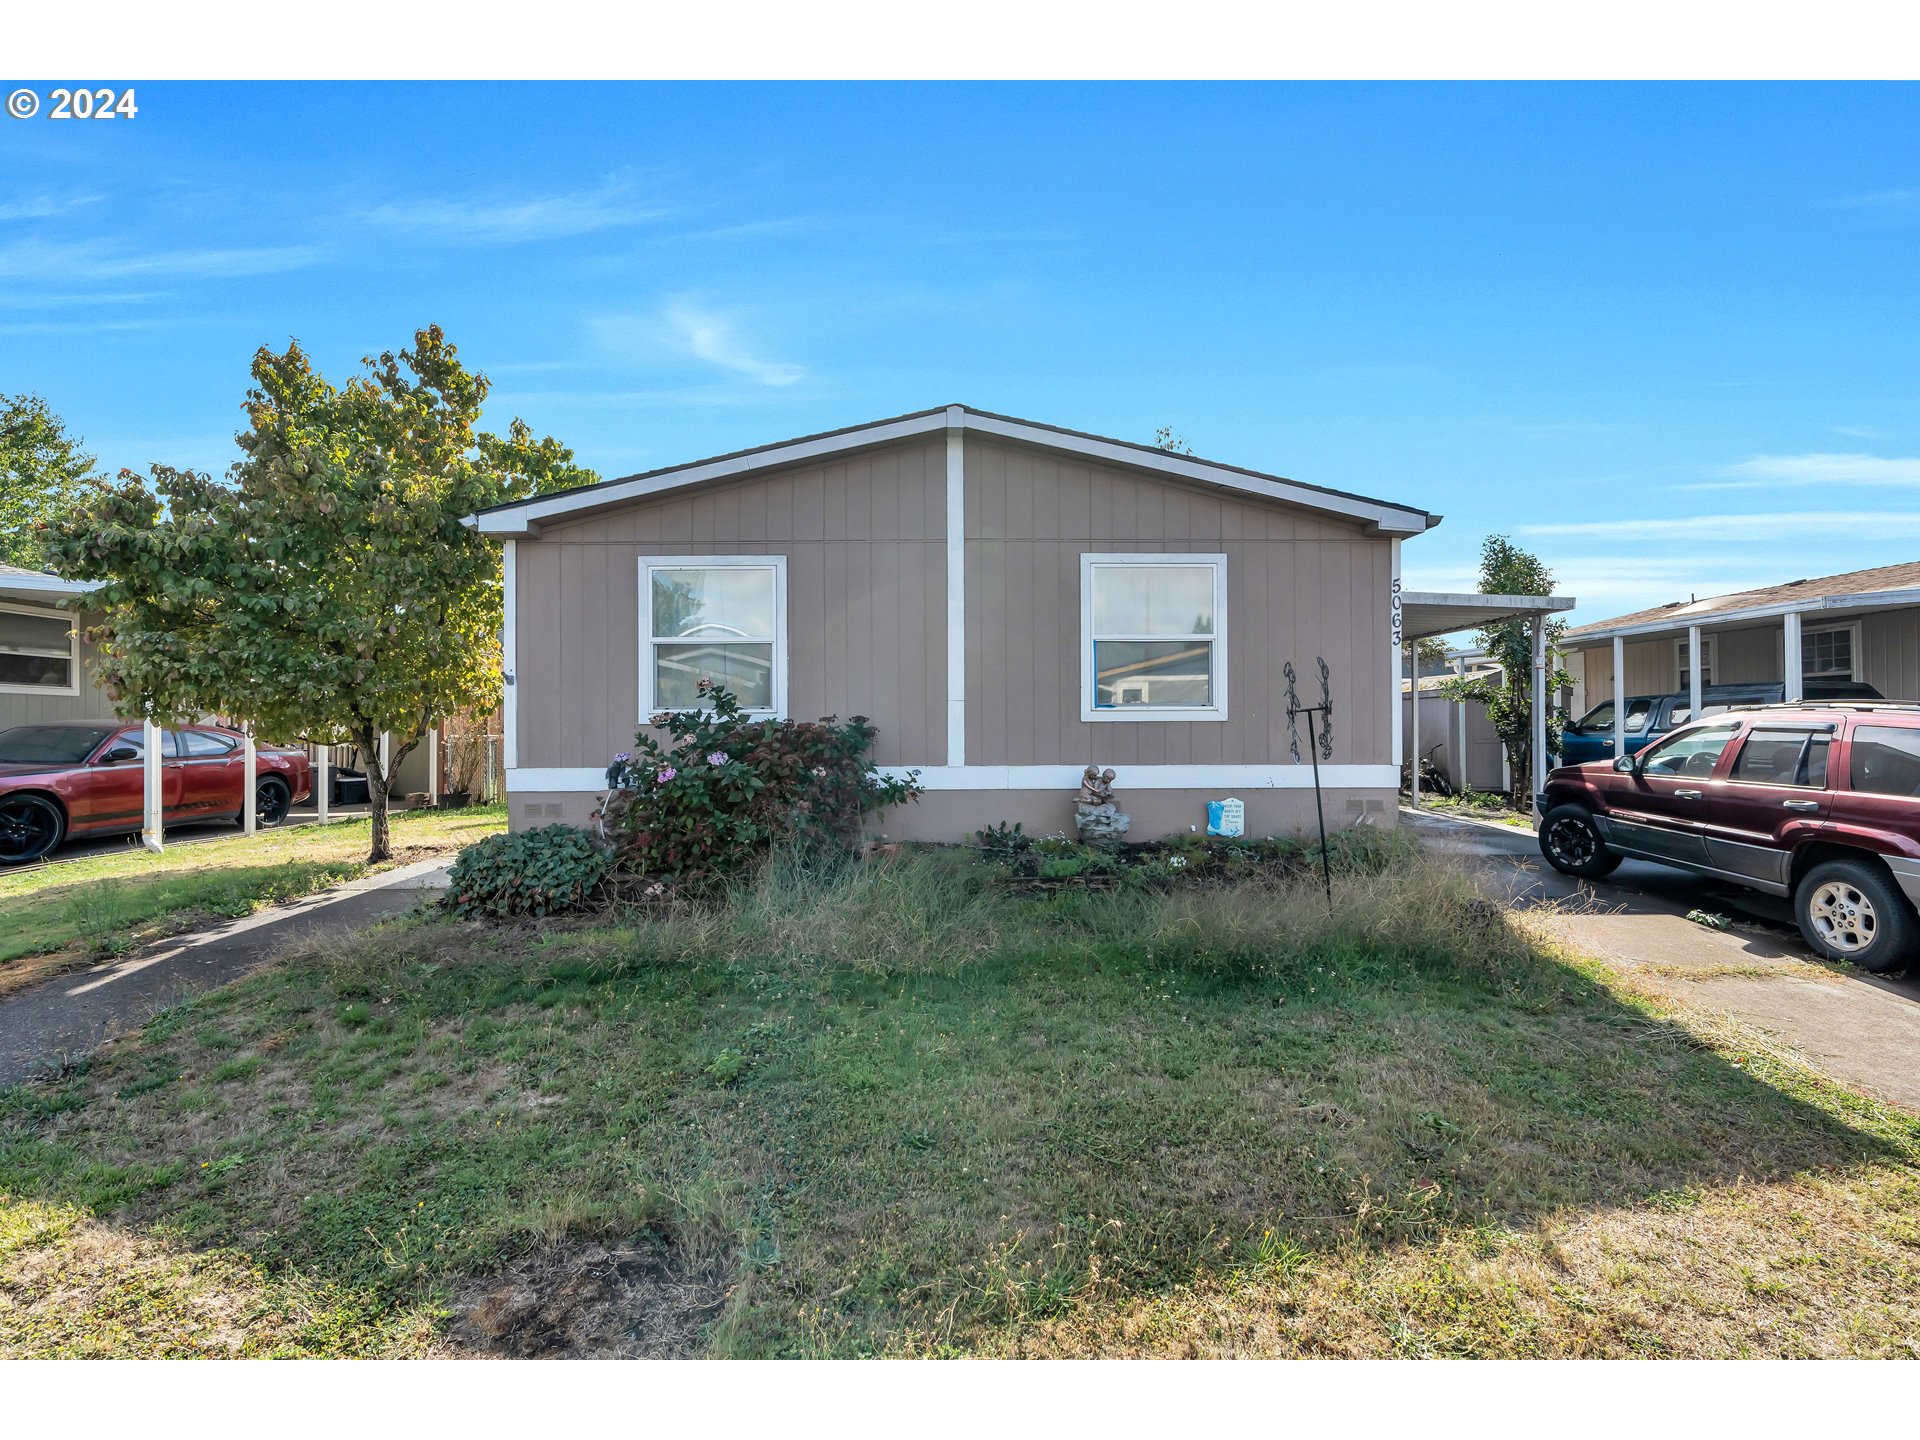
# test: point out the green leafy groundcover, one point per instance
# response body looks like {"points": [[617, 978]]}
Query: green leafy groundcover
{"points": [[1053, 861], [533, 872]]}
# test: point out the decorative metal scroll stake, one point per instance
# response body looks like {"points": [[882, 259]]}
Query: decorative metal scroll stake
{"points": [[1317, 746]]}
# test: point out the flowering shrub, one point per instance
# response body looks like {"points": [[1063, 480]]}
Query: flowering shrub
{"points": [[724, 787]]}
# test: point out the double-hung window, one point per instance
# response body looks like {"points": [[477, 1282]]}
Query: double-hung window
{"points": [[1681, 663], [1829, 654], [39, 651], [722, 619], [1153, 637]]}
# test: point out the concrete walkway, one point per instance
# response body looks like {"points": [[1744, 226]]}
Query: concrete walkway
{"points": [[66, 1019], [1864, 1030]]}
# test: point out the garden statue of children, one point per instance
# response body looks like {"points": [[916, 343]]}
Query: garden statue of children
{"points": [[1096, 818]]}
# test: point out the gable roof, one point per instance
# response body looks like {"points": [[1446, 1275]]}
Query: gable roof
{"points": [[18, 584], [524, 517], [1791, 595]]}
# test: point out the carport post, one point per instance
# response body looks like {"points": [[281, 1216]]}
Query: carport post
{"points": [[1413, 729], [1619, 697], [1539, 712], [1791, 659], [249, 799], [1462, 781], [1693, 672], [152, 831], [322, 781]]}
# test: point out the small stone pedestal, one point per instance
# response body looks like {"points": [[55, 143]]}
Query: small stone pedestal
{"points": [[1101, 824]]}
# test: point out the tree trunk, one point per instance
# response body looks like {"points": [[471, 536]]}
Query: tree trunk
{"points": [[382, 846]]}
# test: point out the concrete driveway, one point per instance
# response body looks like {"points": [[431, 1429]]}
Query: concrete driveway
{"points": [[1862, 1029]]}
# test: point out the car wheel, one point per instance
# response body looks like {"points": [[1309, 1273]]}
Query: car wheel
{"points": [[271, 801], [1849, 910], [1572, 844], [30, 826]]}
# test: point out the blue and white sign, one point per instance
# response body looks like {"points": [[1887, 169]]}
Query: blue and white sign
{"points": [[1227, 818]]}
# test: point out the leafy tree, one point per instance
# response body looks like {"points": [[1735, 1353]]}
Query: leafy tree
{"points": [[42, 472], [1507, 693], [326, 589], [1165, 439]]}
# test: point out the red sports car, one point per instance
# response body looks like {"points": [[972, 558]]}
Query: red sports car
{"points": [[87, 777]]}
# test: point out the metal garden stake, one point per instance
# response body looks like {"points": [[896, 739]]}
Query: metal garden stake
{"points": [[1317, 746]]}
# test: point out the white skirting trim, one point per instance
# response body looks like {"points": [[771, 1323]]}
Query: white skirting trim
{"points": [[1050, 777]]}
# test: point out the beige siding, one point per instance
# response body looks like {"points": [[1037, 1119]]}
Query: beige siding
{"points": [[1440, 725], [864, 539], [1889, 656], [1299, 586], [25, 707]]}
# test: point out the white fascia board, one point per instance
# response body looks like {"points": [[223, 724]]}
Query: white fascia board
{"points": [[42, 586], [525, 519], [1376, 516], [1383, 518], [1063, 778]]}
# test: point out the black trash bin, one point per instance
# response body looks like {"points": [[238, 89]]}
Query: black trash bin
{"points": [[349, 787]]}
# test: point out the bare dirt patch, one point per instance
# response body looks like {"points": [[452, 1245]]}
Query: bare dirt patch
{"points": [[586, 1300]]}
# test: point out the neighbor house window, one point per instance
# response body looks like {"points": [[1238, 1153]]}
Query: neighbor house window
{"points": [[1683, 660], [39, 652], [1153, 637], [1828, 654], [718, 619]]}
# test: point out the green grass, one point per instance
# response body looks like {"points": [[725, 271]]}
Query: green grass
{"points": [[103, 905], [900, 1113]]}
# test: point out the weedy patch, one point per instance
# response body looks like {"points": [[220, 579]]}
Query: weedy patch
{"points": [[592, 1301]]}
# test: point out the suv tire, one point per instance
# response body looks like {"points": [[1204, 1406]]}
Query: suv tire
{"points": [[1572, 844], [1850, 910]]}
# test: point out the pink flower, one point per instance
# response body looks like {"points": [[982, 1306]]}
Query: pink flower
{"points": [[718, 757], [665, 775]]}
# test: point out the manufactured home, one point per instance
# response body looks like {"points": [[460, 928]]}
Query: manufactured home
{"points": [[1008, 601]]}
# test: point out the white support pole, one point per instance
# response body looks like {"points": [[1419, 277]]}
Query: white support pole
{"points": [[1795, 667], [249, 799], [152, 817], [956, 532], [1462, 779], [1539, 711], [510, 656], [1693, 672], [433, 764], [1619, 697], [1395, 634], [386, 761], [322, 781], [1413, 652]]}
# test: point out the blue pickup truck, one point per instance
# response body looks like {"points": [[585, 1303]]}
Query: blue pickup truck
{"points": [[1651, 716]]}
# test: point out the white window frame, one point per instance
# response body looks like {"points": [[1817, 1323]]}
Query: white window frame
{"points": [[1709, 653], [776, 563], [45, 612], [1852, 628], [1154, 714]]}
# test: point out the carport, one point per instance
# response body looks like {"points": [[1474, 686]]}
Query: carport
{"points": [[1427, 614]]}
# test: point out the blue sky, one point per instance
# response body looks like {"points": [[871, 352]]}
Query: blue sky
{"points": [[1666, 336]]}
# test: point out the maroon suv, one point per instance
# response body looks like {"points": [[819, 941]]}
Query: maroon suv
{"points": [[1816, 801]]}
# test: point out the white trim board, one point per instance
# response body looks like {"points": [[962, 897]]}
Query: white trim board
{"points": [[956, 588], [649, 701], [1216, 642], [1064, 778], [1379, 517]]}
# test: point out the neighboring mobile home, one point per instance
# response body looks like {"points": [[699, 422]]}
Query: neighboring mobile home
{"points": [[46, 666], [1863, 625], [1008, 601]]}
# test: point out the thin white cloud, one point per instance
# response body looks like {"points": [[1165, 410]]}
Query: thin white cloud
{"points": [[1902, 201], [1860, 432], [714, 338], [512, 219], [44, 207], [1805, 525], [107, 260], [1819, 468]]}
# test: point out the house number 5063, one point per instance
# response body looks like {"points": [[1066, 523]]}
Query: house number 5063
{"points": [[102, 104]]}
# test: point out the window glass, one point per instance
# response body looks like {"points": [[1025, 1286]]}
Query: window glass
{"points": [[1152, 628], [1601, 716], [36, 651], [713, 623], [205, 742], [1152, 600], [49, 744], [1693, 753], [136, 740], [1827, 654], [1152, 672], [731, 603], [1782, 757], [1685, 664], [1886, 760]]}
